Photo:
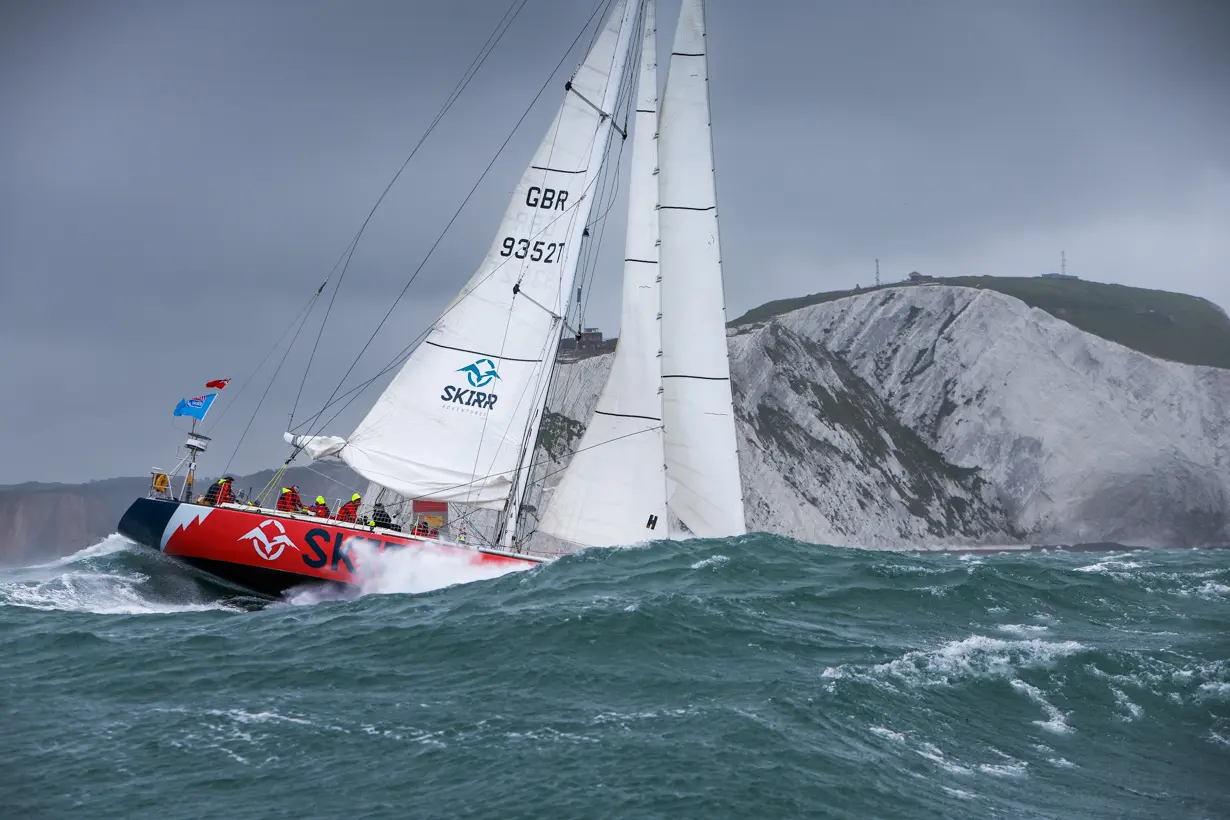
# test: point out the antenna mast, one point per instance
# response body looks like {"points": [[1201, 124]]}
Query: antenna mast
{"points": [[877, 273]]}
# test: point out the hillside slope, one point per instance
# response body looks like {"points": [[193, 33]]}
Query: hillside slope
{"points": [[1172, 326]]}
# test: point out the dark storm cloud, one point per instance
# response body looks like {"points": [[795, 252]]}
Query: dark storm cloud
{"points": [[176, 179]]}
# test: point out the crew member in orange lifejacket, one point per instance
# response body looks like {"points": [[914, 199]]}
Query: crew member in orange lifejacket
{"points": [[321, 509], [289, 500], [349, 511]]}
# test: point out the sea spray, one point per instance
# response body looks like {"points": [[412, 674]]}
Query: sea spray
{"points": [[408, 570]]}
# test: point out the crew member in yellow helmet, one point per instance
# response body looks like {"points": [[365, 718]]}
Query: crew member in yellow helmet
{"points": [[350, 510]]}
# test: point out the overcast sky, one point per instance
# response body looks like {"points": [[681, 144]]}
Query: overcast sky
{"points": [[177, 178]]}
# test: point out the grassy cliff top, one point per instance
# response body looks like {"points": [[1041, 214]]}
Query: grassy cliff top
{"points": [[1171, 326]]}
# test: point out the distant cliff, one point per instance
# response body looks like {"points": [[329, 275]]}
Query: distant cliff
{"points": [[953, 415]]}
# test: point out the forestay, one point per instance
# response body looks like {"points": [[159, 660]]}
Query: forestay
{"points": [[614, 490], [453, 422], [702, 460]]}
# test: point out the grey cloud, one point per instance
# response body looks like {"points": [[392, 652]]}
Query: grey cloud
{"points": [[176, 178]]}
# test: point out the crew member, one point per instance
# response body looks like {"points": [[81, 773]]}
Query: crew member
{"points": [[349, 511], [219, 492], [380, 517], [289, 500], [320, 509], [421, 529]]}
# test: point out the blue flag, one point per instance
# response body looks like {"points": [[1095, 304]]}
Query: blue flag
{"points": [[196, 408]]}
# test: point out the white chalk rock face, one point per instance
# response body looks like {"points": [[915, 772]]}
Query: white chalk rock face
{"points": [[937, 415]]}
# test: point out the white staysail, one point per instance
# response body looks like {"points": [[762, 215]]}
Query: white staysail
{"points": [[702, 459], [614, 490], [453, 423]]}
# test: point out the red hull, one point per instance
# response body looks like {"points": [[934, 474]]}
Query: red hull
{"points": [[270, 552]]}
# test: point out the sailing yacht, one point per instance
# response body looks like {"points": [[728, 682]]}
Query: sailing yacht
{"points": [[659, 452]]}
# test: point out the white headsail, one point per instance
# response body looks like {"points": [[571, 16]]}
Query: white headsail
{"points": [[453, 423], [614, 490], [702, 459]]}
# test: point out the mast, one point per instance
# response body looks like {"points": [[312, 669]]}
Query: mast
{"points": [[631, 14]]}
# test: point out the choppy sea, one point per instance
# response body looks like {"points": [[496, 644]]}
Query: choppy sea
{"points": [[752, 677]]}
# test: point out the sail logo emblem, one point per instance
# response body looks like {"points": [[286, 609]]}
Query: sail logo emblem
{"points": [[266, 547], [481, 373]]}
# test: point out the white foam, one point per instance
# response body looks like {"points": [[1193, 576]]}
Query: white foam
{"points": [[1110, 567], [1132, 711], [711, 561], [888, 733], [1021, 629], [411, 570], [76, 584], [974, 657], [1055, 719]]}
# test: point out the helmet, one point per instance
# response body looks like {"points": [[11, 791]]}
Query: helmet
{"points": [[228, 478], [286, 489], [354, 497], [320, 499]]}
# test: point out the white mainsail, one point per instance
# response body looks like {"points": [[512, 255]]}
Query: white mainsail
{"points": [[453, 423], [702, 458], [614, 490]]}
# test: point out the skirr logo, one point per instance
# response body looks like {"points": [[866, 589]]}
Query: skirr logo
{"points": [[481, 373]]}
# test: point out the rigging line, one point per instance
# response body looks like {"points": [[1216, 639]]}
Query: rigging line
{"points": [[264, 395], [471, 71], [464, 202], [406, 351], [243, 384], [409, 348], [349, 249]]}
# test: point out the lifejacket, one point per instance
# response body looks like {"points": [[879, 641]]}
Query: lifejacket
{"points": [[348, 512], [289, 500], [224, 492], [320, 509], [421, 528]]}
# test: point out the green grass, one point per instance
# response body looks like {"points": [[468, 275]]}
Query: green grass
{"points": [[1167, 325]]}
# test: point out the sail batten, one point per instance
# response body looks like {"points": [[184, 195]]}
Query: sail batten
{"points": [[700, 443], [614, 490], [452, 424]]}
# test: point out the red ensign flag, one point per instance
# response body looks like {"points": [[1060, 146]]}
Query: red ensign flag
{"points": [[217, 384]]}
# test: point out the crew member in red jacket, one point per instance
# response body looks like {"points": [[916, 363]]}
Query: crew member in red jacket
{"points": [[289, 500], [349, 511], [220, 493], [321, 508]]}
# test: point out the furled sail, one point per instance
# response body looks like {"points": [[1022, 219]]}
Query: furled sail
{"points": [[614, 490], [453, 423], [702, 458]]}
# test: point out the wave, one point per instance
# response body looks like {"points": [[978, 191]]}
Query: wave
{"points": [[119, 577], [113, 577]]}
